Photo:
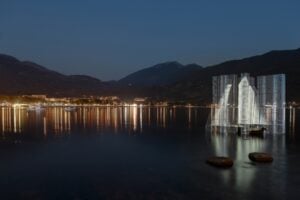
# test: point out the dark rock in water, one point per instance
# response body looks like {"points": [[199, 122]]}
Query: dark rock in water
{"points": [[260, 157], [257, 133], [221, 162]]}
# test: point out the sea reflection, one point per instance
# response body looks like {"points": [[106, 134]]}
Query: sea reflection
{"points": [[59, 120], [12, 119], [292, 121], [154, 140], [245, 172]]}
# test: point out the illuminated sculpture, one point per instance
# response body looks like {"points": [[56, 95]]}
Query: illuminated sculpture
{"points": [[242, 102]]}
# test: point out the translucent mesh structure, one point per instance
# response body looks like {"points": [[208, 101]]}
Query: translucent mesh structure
{"points": [[248, 102], [224, 100], [272, 101]]}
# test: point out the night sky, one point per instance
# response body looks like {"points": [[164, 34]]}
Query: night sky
{"points": [[110, 39]]}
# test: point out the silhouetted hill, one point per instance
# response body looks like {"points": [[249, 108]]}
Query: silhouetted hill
{"points": [[171, 81], [197, 87], [17, 77], [160, 74]]}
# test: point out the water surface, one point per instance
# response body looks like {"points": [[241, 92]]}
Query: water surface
{"points": [[138, 153]]}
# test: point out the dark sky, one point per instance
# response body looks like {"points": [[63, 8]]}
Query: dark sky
{"points": [[112, 38]]}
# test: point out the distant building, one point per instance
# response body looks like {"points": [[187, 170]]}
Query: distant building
{"points": [[140, 100], [58, 100], [36, 96], [109, 98]]}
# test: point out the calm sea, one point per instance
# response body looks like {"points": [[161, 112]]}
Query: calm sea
{"points": [[138, 153]]}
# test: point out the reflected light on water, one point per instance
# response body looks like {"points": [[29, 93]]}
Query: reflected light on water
{"points": [[238, 148], [292, 121], [187, 150], [57, 120], [135, 118]]}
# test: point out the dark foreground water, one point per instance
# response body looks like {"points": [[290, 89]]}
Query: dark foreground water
{"points": [[138, 153]]}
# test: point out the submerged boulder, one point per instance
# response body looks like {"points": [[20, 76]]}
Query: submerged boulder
{"points": [[260, 157], [220, 161]]}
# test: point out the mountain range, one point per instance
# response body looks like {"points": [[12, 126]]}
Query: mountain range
{"points": [[23, 77], [160, 74], [166, 81]]}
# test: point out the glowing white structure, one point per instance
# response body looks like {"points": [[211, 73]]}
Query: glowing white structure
{"points": [[224, 98], [246, 103]]}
